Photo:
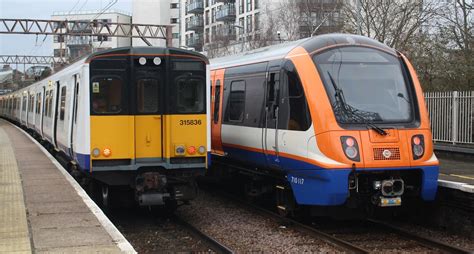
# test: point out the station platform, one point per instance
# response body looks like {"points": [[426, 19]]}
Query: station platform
{"points": [[457, 174], [42, 208]]}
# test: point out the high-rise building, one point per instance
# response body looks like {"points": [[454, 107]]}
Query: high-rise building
{"points": [[72, 47], [219, 27]]}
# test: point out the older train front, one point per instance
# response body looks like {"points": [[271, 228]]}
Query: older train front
{"points": [[148, 123]]}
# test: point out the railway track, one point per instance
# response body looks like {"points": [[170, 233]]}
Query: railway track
{"points": [[366, 237], [208, 240]]}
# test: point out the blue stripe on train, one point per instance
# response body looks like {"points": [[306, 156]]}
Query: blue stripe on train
{"points": [[83, 160], [313, 185]]}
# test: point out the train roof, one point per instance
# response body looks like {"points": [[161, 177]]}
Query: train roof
{"points": [[310, 44], [147, 50]]}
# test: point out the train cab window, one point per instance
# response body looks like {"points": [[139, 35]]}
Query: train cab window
{"points": [[147, 95], [236, 101], [106, 95], [299, 117], [62, 104], [190, 94]]}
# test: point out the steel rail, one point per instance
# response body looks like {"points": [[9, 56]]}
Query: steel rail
{"points": [[425, 241], [210, 241]]}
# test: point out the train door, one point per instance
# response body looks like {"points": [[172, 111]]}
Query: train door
{"points": [[55, 113], [270, 128], [73, 119], [149, 90], [216, 106]]}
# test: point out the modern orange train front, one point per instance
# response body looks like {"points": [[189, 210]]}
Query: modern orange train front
{"points": [[331, 120]]}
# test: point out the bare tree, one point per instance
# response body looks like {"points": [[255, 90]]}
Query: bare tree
{"points": [[393, 22]]}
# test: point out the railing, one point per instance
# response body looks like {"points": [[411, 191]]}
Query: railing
{"points": [[452, 116], [195, 7], [226, 12], [195, 23], [195, 41]]}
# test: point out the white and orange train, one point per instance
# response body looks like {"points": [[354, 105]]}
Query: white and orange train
{"points": [[330, 121]]}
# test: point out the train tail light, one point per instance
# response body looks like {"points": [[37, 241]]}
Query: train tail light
{"points": [[191, 150], [107, 152], [96, 152], [418, 146], [350, 147]]}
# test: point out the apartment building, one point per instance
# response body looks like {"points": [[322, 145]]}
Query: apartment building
{"points": [[219, 27], [72, 47]]}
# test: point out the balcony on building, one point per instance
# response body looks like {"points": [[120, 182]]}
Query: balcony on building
{"points": [[226, 13], [195, 23], [197, 6], [225, 1], [227, 33], [194, 41]]}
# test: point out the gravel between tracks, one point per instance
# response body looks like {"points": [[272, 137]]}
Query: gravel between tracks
{"points": [[149, 233], [246, 231], [438, 234]]}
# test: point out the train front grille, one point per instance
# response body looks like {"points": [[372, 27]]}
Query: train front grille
{"points": [[386, 153]]}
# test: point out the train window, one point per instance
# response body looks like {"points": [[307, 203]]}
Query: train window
{"points": [[147, 95], [46, 106], [237, 101], [217, 101], [190, 94], [62, 104], [23, 105], [38, 103], [106, 95], [76, 102]]}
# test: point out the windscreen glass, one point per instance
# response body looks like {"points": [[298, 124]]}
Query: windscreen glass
{"points": [[365, 85]]}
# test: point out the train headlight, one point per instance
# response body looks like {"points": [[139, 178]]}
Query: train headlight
{"points": [[107, 152], [96, 152], [157, 61], [191, 150], [350, 147], [179, 150], [418, 146], [142, 60], [202, 150]]}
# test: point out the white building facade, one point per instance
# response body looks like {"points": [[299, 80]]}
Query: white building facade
{"points": [[72, 47]]}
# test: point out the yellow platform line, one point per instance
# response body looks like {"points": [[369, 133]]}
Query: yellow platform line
{"points": [[14, 235]]}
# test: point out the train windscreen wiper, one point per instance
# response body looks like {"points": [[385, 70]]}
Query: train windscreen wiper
{"points": [[348, 109]]}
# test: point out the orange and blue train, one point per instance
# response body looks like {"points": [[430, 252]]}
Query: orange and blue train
{"points": [[335, 120]]}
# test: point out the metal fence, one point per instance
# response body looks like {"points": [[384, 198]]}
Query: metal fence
{"points": [[452, 116]]}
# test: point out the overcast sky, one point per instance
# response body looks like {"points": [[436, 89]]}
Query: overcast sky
{"points": [[19, 44]]}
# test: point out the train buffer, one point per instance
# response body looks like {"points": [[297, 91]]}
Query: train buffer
{"points": [[42, 208]]}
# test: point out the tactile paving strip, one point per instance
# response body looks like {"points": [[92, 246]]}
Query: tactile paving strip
{"points": [[14, 235]]}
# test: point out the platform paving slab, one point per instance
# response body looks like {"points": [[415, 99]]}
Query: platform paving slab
{"points": [[14, 233], [52, 213]]}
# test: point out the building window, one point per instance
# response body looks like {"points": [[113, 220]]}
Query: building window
{"points": [[59, 38], [249, 23], [241, 6], [249, 5], [59, 52], [174, 5], [103, 38], [257, 21], [175, 35], [213, 18], [256, 4], [206, 18], [214, 33], [174, 21], [206, 36], [241, 24]]}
